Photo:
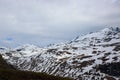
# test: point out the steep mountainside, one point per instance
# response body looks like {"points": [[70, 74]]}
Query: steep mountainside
{"points": [[8, 72], [83, 58], [4, 65]]}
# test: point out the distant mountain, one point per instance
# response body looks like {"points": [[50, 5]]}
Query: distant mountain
{"points": [[83, 58]]}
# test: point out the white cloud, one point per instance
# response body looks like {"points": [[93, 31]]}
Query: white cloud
{"points": [[54, 18]]}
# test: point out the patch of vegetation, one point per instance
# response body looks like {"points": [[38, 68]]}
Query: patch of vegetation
{"points": [[25, 75], [112, 69]]}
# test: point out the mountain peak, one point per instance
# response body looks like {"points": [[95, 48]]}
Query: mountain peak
{"points": [[107, 29], [105, 35], [111, 29]]}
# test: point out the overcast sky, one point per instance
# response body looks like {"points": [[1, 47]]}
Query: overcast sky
{"points": [[42, 22]]}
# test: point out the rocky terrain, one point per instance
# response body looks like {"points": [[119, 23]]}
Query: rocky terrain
{"points": [[94, 56], [9, 72]]}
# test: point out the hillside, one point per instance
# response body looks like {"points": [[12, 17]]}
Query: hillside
{"points": [[8, 72], [4, 65], [94, 56]]}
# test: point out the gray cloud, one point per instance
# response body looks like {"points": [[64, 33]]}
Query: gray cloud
{"points": [[49, 21]]}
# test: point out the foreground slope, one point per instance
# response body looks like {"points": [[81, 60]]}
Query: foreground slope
{"points": [[8, 72], [83, 58]]}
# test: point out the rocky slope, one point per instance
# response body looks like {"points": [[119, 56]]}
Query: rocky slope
{"points": [[8, 72], [83, 58]]}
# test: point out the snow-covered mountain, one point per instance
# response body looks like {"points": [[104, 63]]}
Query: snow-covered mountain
{"points": [[80, 59]]}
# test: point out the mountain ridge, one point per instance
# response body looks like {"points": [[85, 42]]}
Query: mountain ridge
{"points": [[77, 59]]}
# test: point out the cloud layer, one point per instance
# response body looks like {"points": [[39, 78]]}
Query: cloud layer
{"points": [[47, 21]]}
